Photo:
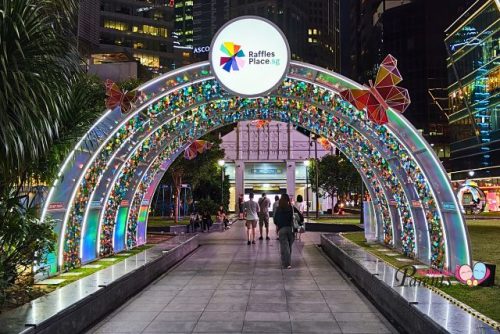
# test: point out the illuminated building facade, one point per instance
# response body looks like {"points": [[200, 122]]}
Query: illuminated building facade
{"points": [[140, 29], [183, 24], [270, 158], [413, 32], [473, 43]]}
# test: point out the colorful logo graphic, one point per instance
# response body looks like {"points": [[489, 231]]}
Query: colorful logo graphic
{"points": [[472, 276], [234, 59]]}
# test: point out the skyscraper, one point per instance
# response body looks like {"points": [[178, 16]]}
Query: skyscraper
{"points": [[115, 30], [413, 32], [290, 16], [323, 33], [183, 23], [474, 97], [88, 26], [209, 16]]}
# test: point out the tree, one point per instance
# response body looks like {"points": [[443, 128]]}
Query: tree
{"points": [[46, 103], [38, 61], [336, 176], [203, 174]]}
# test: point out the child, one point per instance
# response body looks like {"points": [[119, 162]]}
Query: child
{"points": [[222, 218]]}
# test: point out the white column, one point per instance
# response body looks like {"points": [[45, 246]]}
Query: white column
{"points": [[239, 175], [290, 179]]}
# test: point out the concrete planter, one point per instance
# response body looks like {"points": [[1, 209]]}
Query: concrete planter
{"points": [[414, 309], [177, 229], [96, 301]]}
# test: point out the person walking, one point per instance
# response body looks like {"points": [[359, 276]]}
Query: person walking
{"points": [[251, 209], [275, 206], [300, 204], [284, 222], [264, 204]]}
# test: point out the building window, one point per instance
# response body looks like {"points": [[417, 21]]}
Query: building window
{"points": [[150, 30], [115, 25], [148, 60]]}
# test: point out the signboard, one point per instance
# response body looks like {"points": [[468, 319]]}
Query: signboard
{"points": [[56, 206], [249, 56], [416, 204], [266, 171], [201, 49]]}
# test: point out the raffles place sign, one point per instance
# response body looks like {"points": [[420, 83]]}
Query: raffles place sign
{"points": [[249, 56]]}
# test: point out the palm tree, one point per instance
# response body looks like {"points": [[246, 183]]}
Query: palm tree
{"points": [[37, 65], [46, 104]]}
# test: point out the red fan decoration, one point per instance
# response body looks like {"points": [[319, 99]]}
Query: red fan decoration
{"points": [[384, 94], [325, 143], [260, 123], [116, 97], [198, 146]]}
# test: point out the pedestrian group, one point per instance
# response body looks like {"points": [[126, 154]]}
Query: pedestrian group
{"points": [[288, 218]]}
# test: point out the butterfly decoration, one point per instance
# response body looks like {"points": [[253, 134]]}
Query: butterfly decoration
{"points": [[196, 147], [260, 123], [325, 143], [118, 98], [382, 95], [472, 276]]}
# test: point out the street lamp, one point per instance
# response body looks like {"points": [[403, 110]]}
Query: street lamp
{"points": [[221, 164], [307, 163], [471, 173]]}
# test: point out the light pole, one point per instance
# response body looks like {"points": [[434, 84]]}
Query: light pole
{"points": [[221, 164], [307, 163], [316, 164]]}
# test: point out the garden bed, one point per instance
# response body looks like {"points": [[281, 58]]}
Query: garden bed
{"points": [[484, 235]]}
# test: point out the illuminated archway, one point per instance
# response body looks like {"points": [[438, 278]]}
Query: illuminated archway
{"points": [[102, 197]]}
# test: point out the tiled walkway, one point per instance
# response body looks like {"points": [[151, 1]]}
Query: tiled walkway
{"points": [[229, 287]]}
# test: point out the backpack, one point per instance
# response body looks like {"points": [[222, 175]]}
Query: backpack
{"points": [[300, 216], [296, 221]]}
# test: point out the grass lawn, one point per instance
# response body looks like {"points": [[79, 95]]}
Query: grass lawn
{"points": [[338, 220], [163, 222], [490, 214], [88, 271], [39, 290], [485, 239]]}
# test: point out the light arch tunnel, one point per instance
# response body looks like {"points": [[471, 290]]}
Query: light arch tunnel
{"points": [[102, 196]]}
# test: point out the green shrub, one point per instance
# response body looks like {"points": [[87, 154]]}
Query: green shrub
{"points": [[25, 242], [207, 204]]}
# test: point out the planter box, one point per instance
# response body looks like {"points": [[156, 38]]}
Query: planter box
{"points": [[79, 305]]}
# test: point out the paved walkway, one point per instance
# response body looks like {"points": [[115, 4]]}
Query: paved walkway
{"points": [[227, 286]]}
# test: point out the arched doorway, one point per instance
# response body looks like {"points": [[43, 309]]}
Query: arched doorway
{"points": [[102, 199]]}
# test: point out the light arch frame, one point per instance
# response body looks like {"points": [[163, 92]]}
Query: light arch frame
{"points": [[409, 138]]}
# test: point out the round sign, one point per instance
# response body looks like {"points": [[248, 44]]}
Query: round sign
{"points": [[249, 56]]}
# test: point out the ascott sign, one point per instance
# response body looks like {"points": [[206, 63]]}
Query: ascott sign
{"points": [[249, 56]]}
